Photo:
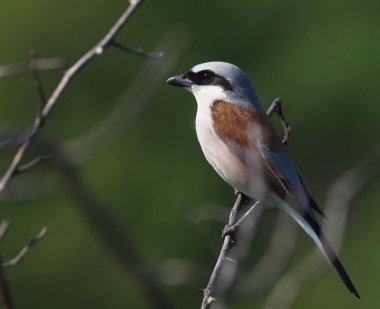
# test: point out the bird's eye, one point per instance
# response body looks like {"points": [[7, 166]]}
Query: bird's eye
{"points": [[206, 76]]}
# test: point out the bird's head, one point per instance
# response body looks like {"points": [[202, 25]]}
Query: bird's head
{"points": [[212, 81]]}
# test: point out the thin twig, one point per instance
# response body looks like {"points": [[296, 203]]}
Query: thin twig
{"points": [[5, 292], [6, 295], [137, 51], [227, 243], [24, 251], [229, 235], [132, 102], [37, 80], [62, 85], [253, 208], [4, 226], [27, 166]]}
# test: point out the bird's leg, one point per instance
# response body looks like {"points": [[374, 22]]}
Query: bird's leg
{"points": [[276, 107]]}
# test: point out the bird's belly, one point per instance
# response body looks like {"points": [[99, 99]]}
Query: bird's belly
{"points": [[229, 166]]}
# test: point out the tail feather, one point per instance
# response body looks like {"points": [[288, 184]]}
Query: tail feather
{"points": [[331, 257], [312, 228]]}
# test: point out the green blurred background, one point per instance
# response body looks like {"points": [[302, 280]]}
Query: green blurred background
{"points": [[321, 57]]}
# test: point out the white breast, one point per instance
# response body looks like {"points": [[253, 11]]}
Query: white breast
{"points": [[247, 180], [216, 152]]}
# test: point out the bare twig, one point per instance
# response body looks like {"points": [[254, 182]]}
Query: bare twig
{"points": [[131, 103], [6, 295], [227, 243], [66, 79], [24, 251], [136, 51], [4, 225], [40, 64], [273, 260], [340, 195], [208, 293], [27, 166], [111, 232], [37, 80]]}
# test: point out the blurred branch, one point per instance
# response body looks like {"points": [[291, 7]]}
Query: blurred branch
{"points": [[40, 64], [4, 225], [104, 134], [137, 51], [273, 260], [27, 166], [340, 195], [6, 297], [24, 251], [110, 231], [127, 108], [132, 102], [62, 85], [37, 80]]}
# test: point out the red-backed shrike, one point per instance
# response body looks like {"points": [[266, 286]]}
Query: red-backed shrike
{"points": [[241, 144]]}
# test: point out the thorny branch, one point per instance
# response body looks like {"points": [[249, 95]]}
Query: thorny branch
{"points": [[227, 243], [66, 79]]}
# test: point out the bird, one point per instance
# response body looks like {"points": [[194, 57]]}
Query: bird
{"points": [[239, 141]]}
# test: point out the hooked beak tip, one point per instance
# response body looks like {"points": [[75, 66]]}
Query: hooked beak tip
{"points": [[179, 81]]}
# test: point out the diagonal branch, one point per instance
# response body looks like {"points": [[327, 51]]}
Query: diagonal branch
{"points": [[62, 85], [136, 51], [227, 243], [24, 251], [36, 79]]}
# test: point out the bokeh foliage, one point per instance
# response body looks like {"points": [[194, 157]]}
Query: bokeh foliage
{"points": [[321, 58]]}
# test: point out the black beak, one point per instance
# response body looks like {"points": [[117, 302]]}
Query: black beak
{"points": [[179, 81]]}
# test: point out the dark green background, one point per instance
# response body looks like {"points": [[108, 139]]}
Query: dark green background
{"points": [[321, 57]]}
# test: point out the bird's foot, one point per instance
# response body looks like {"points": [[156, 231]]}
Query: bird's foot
{"points": [[229, 230], [236, 192]]}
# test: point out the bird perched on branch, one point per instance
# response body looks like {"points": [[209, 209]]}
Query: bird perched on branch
{"points": [[239, 141]]}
